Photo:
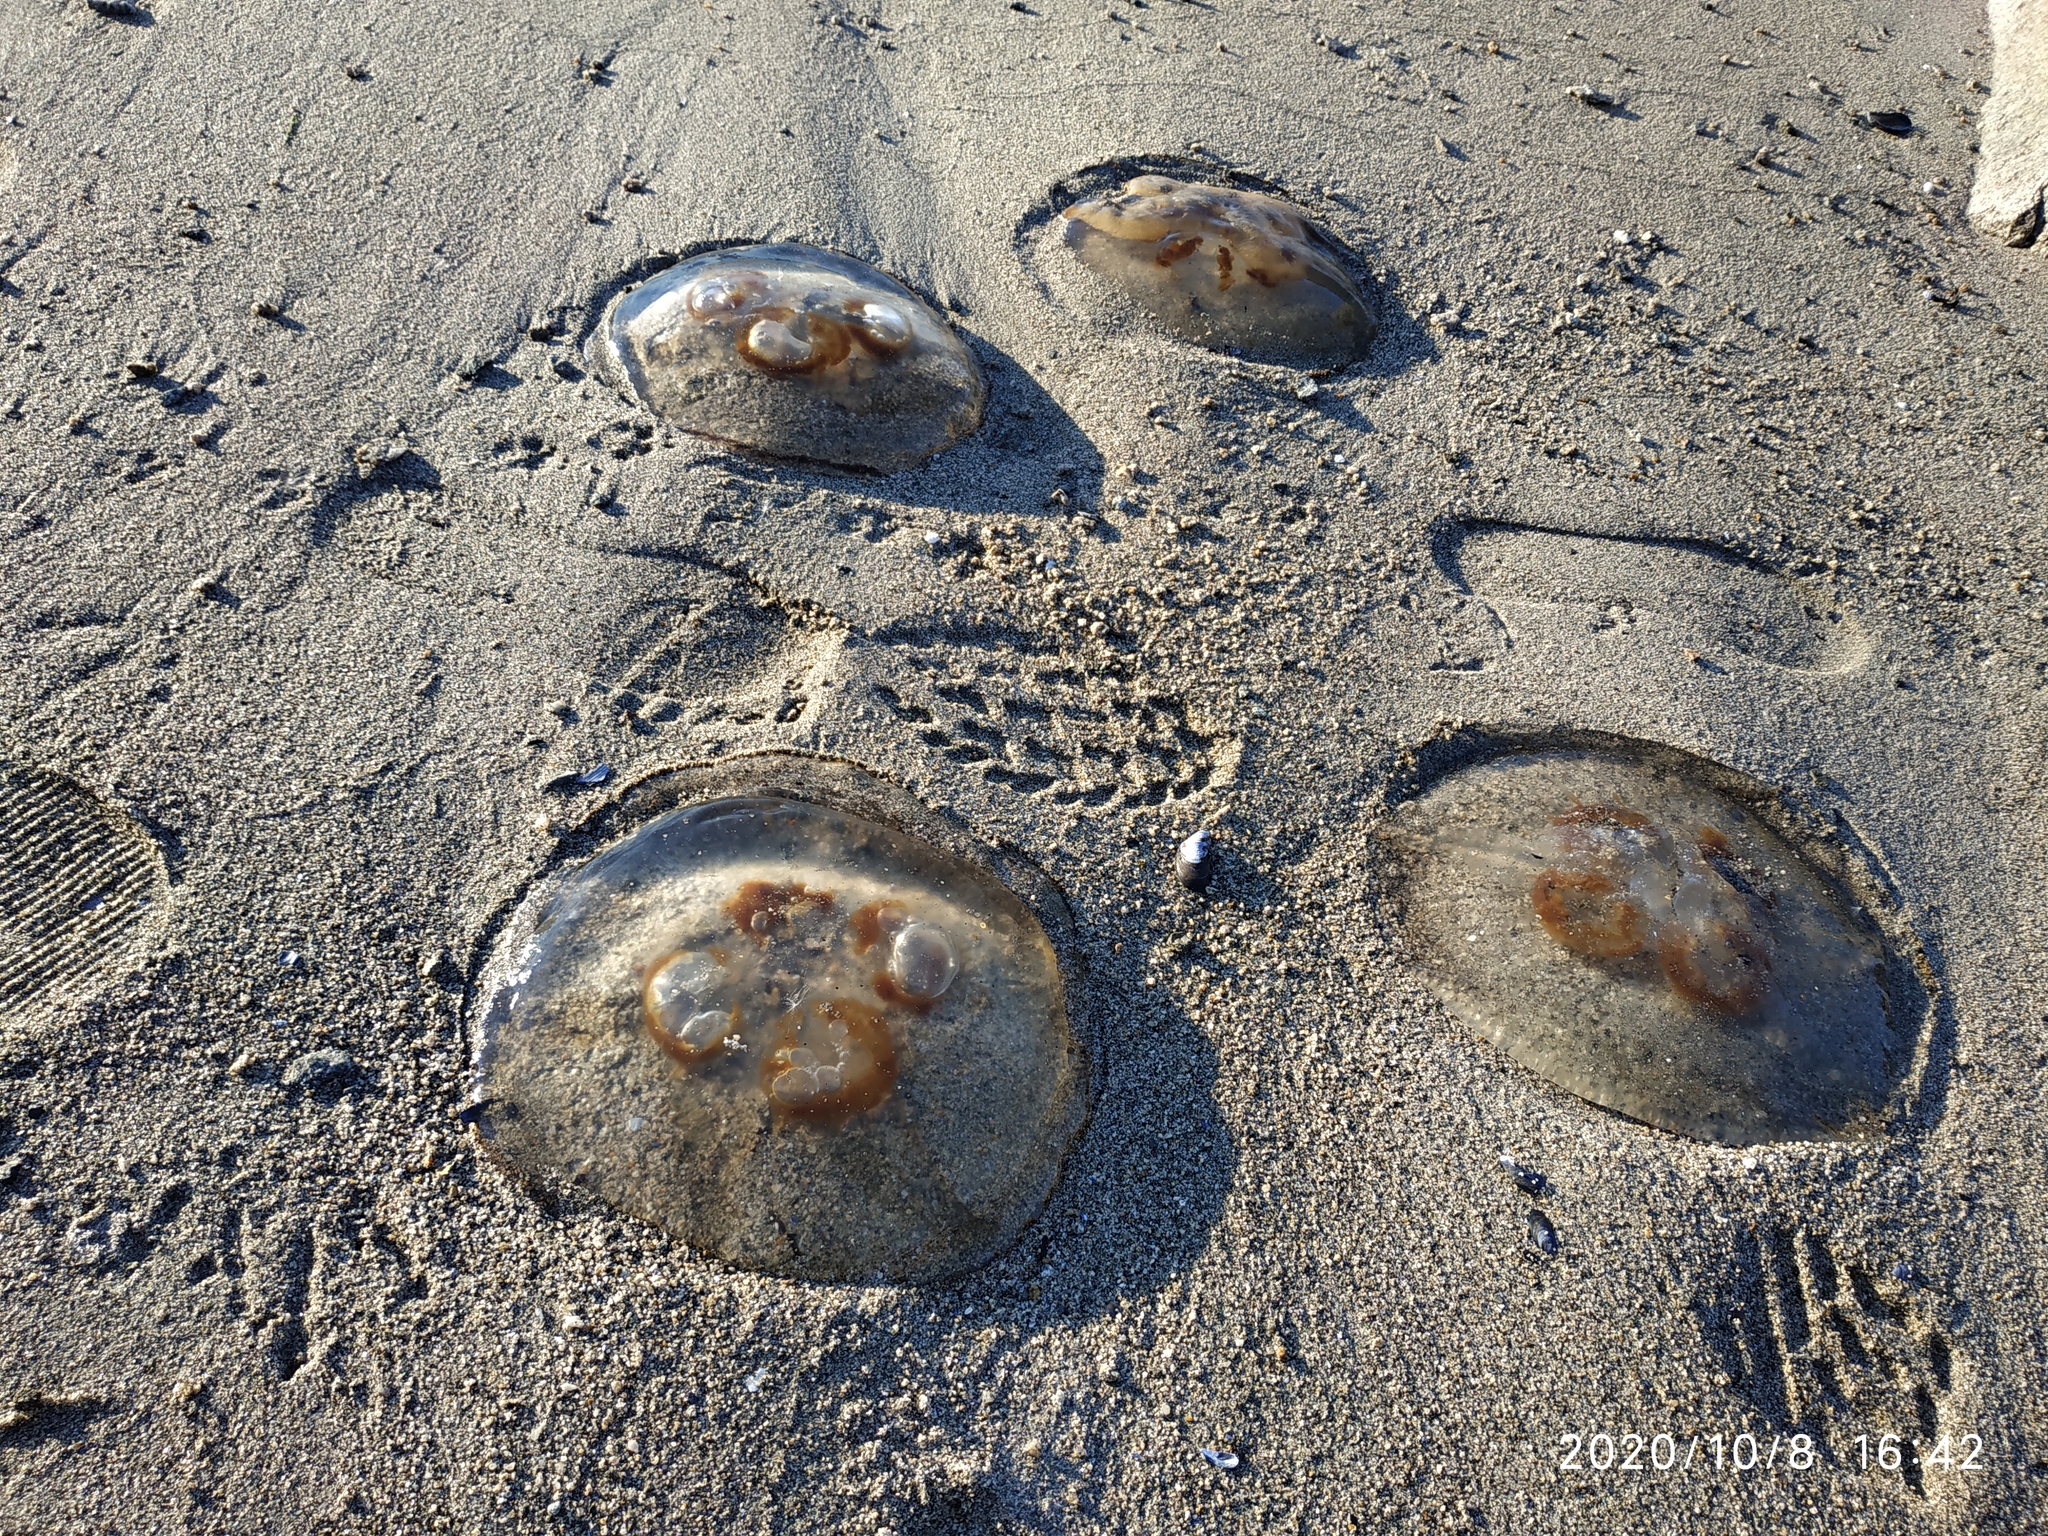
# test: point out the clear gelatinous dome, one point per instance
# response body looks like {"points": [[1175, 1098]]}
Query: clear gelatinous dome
{"points": [[1648, 944], [803, 1042], [796, 352], [1225, 268]]}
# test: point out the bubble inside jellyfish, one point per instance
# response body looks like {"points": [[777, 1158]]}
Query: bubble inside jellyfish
{"points": [[795, 352], [805, 1043], [1650, 945], [1225, 268]]}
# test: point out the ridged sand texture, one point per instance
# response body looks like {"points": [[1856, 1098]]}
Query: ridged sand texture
{"points": [[77, 880], [2012, 178]]}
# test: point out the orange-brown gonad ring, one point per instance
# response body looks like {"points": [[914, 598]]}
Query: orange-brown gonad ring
{"points": [[856, 1094], [873, 338], [682, 1053], [828, 339], [1585, 912], [1677, 951]]}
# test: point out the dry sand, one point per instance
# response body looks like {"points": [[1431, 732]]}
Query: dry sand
{"points": [[318, 604]]}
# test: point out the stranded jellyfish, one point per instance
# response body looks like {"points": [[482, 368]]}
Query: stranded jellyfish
{"points": [[796, 352], [1650, 945], [803, 1042], [1225, 268]]}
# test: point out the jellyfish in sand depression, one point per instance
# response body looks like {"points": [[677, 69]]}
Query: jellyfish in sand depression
{"points": [[1652, 944], [1224, 267], [805, 1042], [793, 352]]}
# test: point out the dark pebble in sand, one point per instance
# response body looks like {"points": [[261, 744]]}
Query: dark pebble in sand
{"points": [[1194, 866], [1527, 1180], [1586, 96], [567, 783], [117, 10], [1897, 124], [1542, 1233], [319, 1069]]}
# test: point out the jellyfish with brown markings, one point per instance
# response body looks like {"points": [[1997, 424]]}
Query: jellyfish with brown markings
{"points": [[1652, 944], [1614, 883], [805, 1042], [1227, 268], [793, 352]]}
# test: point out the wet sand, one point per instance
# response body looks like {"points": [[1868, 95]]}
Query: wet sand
{"points": [[1705, 420]]}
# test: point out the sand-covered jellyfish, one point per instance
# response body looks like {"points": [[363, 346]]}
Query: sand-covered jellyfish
{"points": [[1651, 944], [795, 352], [1224, 267], [805, 1042]]}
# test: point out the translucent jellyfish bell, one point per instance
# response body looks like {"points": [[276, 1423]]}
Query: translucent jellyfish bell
{"points": [[1650, 945], [802, 1041], [796, 352], [1225, 268]]}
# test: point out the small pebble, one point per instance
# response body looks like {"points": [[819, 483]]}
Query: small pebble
{"points": [[140, 368], [1194, 865], [1586, 96], [1527, 1180], [566, 783], [1542, 1233], [317, 1068]]}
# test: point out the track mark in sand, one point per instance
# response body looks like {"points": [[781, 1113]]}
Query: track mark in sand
{"points": [[719, 648], [1445, 632], [649, 636], [1806, 1333], [77, 888], [1691, 595], [1044, 730], [32, 1418]]}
